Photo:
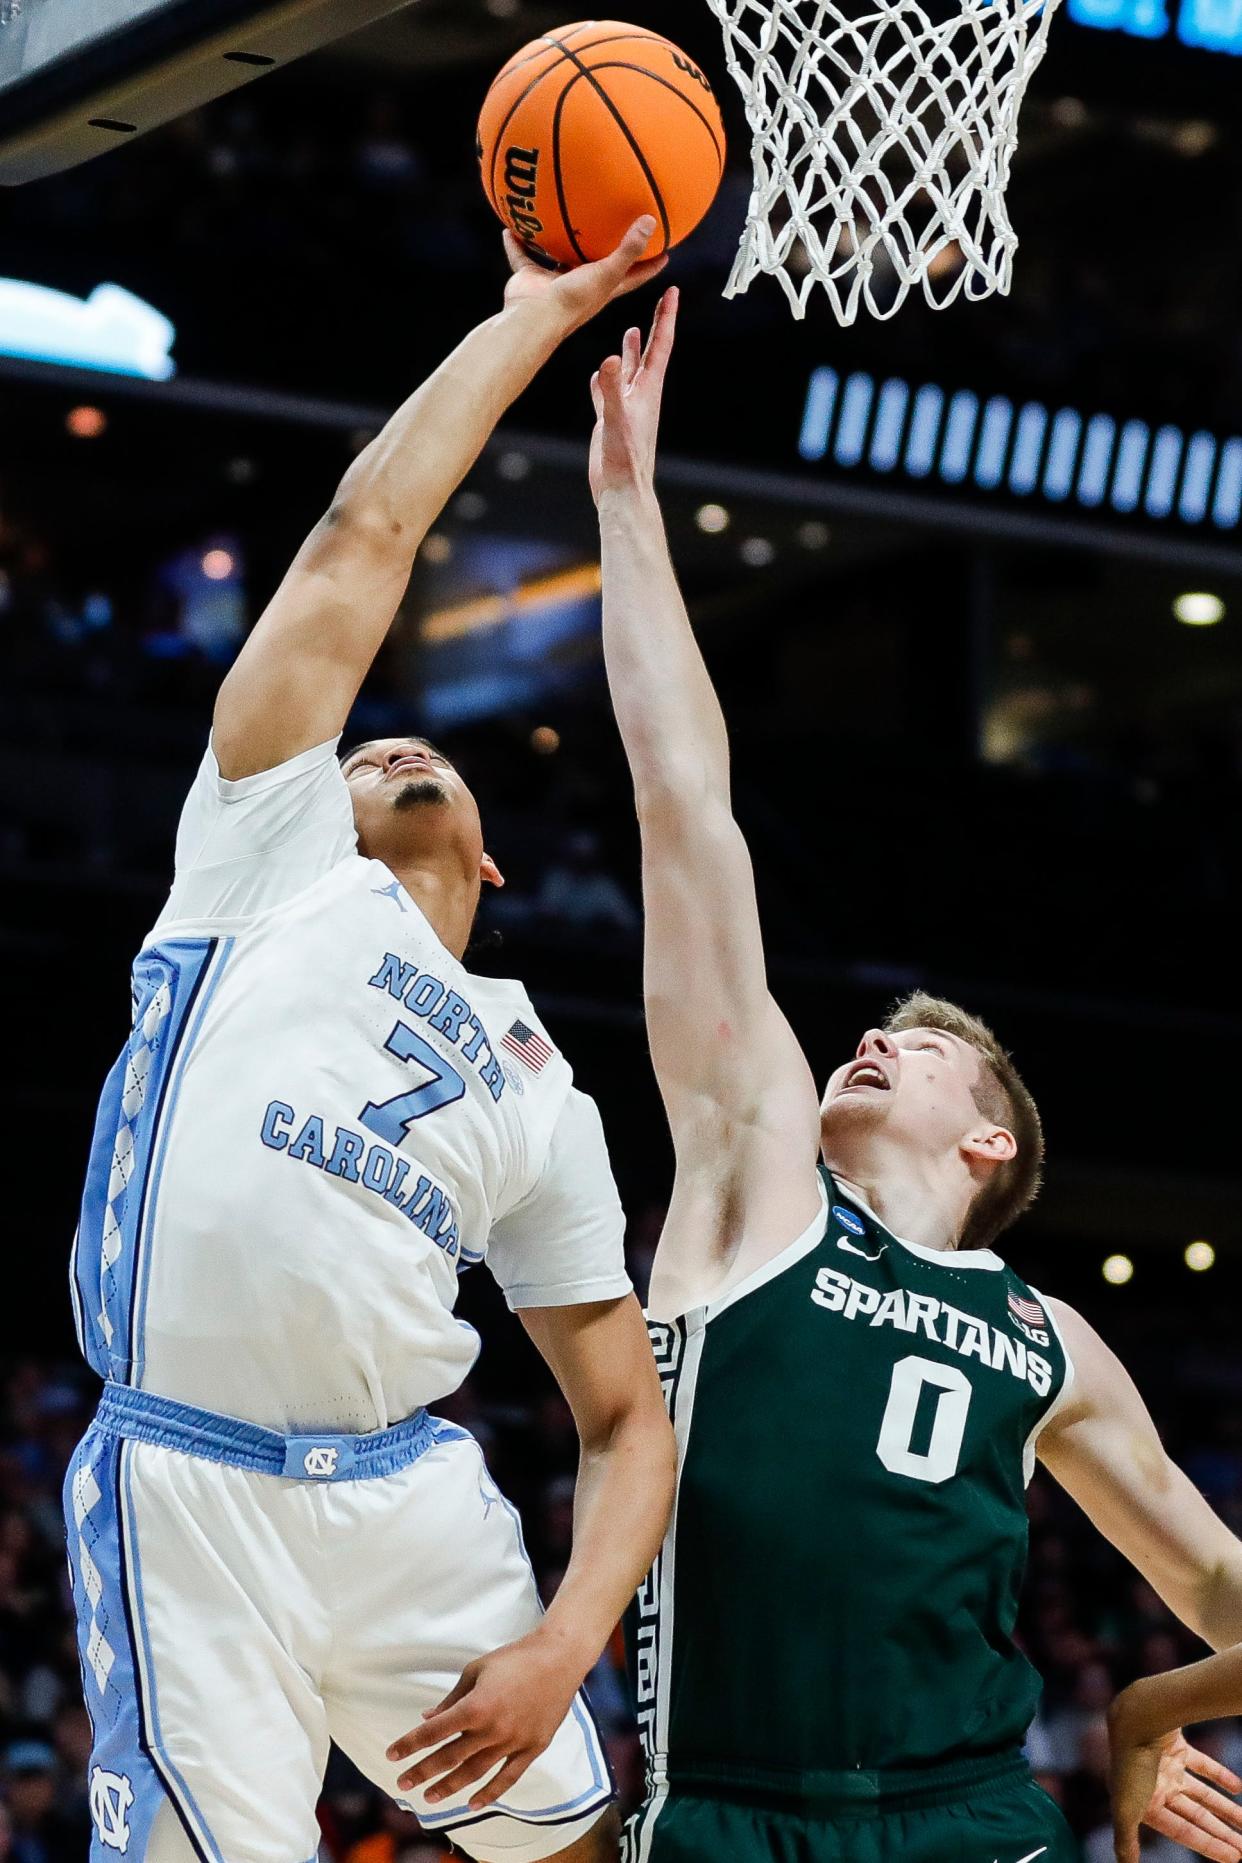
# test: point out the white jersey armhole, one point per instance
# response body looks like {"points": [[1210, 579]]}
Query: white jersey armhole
{"points": [[1059, 1401]]}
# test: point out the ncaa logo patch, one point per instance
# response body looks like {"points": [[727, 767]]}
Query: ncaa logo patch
{"points": [[848, 1220], [112, 1794]]}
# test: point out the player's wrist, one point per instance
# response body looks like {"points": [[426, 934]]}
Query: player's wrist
{"points": [[631, 500], [1139, 1714], [569, 1643]]}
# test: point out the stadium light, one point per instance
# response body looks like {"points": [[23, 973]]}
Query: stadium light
{"points": [[1199, 1257], [1199, 609], [1117, 1270], [86, 423], [712, 519]]}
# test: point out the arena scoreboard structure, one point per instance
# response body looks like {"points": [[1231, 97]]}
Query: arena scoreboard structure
{"points": [[78, 77]]}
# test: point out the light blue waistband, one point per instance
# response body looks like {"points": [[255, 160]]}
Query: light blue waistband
{"points": [[140, 1416]]}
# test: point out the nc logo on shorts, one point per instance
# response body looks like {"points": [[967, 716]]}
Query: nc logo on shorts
{"points": [[848, 1220], [321, 1463], [112, 1794]]}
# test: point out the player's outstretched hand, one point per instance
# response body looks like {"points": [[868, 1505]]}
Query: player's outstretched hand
{"points": [[504, 1712], [1173, 1788], [628, 392], [579, 295]]}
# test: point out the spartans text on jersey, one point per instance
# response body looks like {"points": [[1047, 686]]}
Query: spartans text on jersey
{"points": [[948, 1325]]}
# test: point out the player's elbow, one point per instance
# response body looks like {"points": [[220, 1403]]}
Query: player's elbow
{"points": [[1213, 1593], [358, 528], [673, 793]]}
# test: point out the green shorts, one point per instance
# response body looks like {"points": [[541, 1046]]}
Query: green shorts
{"points": [[1005, 1820]]}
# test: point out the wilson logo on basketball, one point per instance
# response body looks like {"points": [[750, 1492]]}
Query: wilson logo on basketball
{"points": [[521, 189], [691, 71]]}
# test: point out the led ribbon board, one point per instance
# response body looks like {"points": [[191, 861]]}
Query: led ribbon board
{"points": [[112, 330], [992, 444], [1212, 25]]}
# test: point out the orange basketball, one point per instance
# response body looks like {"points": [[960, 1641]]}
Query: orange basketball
{"points": [[589, 127]]}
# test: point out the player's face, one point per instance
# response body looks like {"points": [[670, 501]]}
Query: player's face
{"points": [[915, 1088], [409, 802]]}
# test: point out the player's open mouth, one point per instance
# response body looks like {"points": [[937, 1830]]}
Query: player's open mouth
{"points": [[866, 1074], [404, 764]]}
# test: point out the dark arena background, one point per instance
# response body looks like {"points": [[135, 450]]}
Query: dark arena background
{"points": [[971, 586]]}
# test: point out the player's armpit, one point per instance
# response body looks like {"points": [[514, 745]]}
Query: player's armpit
{"points": [[1105, 1450]]}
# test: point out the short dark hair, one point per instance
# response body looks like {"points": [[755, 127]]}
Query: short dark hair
{"points": [[1002, 1095]]}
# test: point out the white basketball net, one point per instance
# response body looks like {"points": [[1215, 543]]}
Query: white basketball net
{"points": [[882, 141]]}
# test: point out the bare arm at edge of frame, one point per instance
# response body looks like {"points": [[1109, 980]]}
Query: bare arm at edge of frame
{"points": [[1106, 1452]]}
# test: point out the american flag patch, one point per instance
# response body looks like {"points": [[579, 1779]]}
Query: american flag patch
{"points": [[1028, 1311], [531, 1049]]}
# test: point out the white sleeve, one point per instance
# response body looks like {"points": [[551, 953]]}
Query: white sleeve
{"points": [[244, 847], [564, 1244]]}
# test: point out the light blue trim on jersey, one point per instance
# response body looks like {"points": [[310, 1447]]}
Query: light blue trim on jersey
{"points": [[141, 1416], [138, 1320], [118, 1200], [191, 1815], [124, 1777]]}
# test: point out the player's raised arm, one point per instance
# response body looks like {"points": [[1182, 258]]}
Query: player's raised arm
{"points": [[1105, 1450], [299, 673], [740, 1097]]}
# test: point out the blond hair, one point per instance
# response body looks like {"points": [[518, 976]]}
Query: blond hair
{"points": [[1001, 1095]]}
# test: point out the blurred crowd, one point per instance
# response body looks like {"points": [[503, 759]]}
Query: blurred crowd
{"points": [[1088, 1622]]}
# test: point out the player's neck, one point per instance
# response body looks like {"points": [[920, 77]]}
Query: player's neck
{"points": [[908, 1199], [447, 899]]}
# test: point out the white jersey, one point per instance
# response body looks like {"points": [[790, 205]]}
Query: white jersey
{"points": [[320, 1119]]}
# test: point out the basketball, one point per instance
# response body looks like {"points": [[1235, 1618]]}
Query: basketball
{"points": [[589, 127]]}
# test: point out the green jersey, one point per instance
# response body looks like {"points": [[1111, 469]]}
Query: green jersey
{"points": [[839, 1587]]}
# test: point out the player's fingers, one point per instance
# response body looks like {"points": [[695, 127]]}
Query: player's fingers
{"points": [[443, 1760], [1216, 1804], [467, 1774], [633, 246], [525, 258], [509, 1774], [1209, 1768], [610, 386], [1171, 1823], [632, 354], [465, 1685], [597, 398], [663, 333], [440, 1724], [641, 275]]}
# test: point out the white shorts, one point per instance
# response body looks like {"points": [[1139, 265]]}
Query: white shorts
{"points": [[232, 1623]]}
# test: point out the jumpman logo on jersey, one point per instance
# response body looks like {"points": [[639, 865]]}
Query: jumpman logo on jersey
{"points": [[1031, 1855], [392, 892], [852, 1248]]}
